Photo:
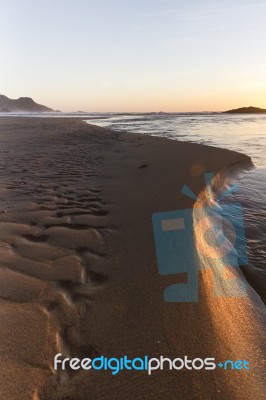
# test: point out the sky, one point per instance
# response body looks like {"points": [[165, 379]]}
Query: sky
{"points": [[134, 55]]}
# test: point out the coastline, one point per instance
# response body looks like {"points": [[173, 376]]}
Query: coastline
{"points": [[233, 319], [110, 301]]}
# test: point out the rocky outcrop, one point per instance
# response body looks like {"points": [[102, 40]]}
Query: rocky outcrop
{"points": [[23, 104]]}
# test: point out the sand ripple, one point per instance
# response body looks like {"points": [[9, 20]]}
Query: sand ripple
{"points": [[52, 232]]}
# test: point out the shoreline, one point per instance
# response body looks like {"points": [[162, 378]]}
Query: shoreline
{"points": [[111, 302]]}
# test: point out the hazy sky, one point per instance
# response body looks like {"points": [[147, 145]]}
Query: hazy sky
{"points": [[134, 55]]}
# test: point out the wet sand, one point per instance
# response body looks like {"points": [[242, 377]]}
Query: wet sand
{"points": [[79, 273]]}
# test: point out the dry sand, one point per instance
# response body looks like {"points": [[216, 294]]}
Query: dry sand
{"points": [[79, 273]]}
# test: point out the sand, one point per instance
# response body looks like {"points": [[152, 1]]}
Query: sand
{"points": [[79, 272]]}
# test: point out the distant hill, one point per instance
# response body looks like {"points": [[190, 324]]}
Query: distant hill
{"points": [[23, 104], [246, 110]]}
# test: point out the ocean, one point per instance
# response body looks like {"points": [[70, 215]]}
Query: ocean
{"points": [[243, 133]]}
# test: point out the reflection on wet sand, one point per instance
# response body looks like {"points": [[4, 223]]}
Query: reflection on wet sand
{"points": [[237, 312]]}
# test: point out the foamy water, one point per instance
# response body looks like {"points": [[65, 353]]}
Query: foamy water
{"points": [[243, 133]]}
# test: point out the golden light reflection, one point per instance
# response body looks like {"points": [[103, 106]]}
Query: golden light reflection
{"points": [[237, 321]]}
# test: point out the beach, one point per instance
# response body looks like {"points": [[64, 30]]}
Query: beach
{"points": [[79, 273]]}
